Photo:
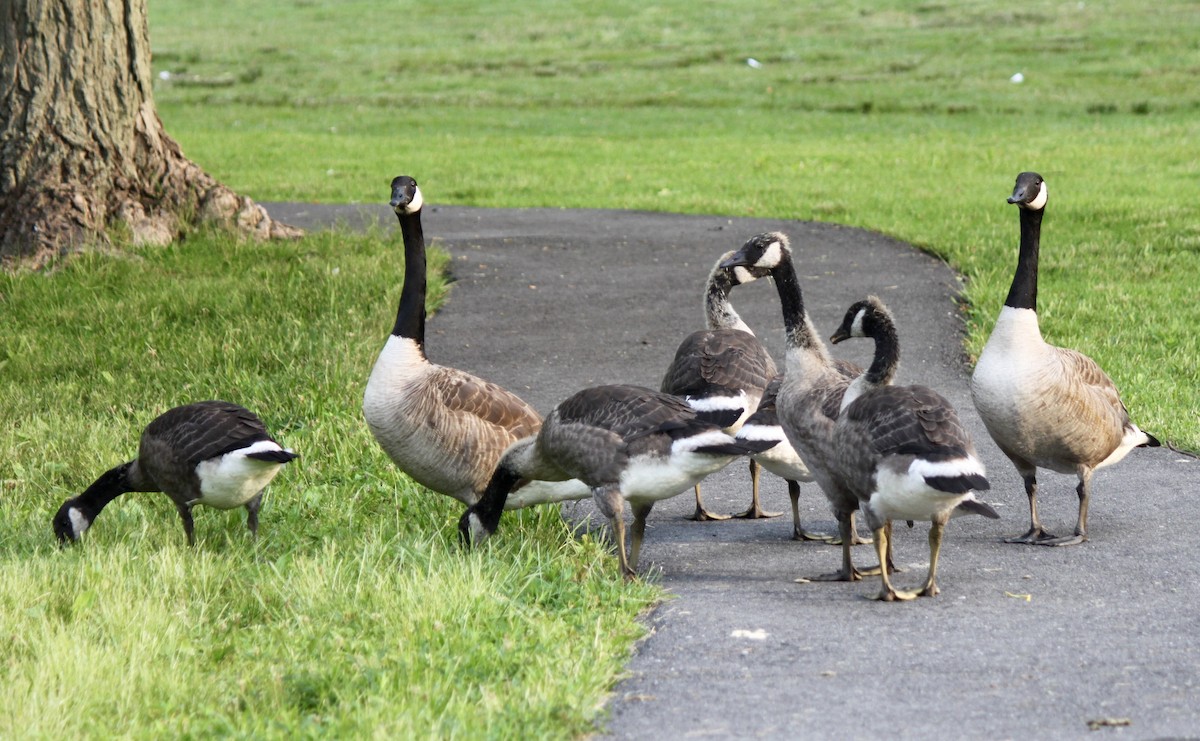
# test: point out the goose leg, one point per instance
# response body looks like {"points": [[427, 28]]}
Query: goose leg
{"points": [[189, 527], [935, 550], [798, 531], [252, 508], [1035, 535], [847, 572], [855, 539], [1083, 489], [640, 512], [887, 593], [756, 512], [702, 514]]}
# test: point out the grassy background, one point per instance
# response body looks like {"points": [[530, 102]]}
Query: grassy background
{"points": [[355, 613], [896, 116]]}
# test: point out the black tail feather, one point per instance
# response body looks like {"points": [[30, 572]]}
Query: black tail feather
{"points": [[958, 484]]}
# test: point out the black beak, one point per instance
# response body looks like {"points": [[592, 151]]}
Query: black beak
{"points": [[839, 336]]}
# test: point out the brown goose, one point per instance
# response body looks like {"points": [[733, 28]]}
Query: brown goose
{"points": [[901, 449], [723, 368], [210, 452], [443, 427], [626, 443], [1046, 406], [810, 396]]}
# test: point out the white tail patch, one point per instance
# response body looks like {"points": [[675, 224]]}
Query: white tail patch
{"points": [[233, 479], [718, 403], [1133, 438], [760, 432], [948, 469], [905, 495], [689, 444]]}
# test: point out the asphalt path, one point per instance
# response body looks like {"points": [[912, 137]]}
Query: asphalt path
{"points": [[1023, 642]]}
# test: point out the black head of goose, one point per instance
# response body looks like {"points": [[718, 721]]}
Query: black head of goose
{"points": [[902, 449], [443, 427], [723, 368], [210, 452], [810, 395], [1046, 406], [626, 443]]}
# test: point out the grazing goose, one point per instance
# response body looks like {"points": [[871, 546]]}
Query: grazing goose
{"points": [[1046, 406], [810, 395], [443, 427], [901, 449], [723, 368], [210, 452], [781, 458], [626, 443]]}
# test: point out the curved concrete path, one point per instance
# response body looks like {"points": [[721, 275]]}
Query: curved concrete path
{"points": [[1023, 642]]}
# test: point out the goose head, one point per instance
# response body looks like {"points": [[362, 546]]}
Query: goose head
{"points": [[406, 196], [71, 521], [763, 252], [866, 318], [1030, 192], [737, 275]]}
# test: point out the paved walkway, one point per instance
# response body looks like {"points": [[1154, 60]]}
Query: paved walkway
{"points": [[1023, 642]]}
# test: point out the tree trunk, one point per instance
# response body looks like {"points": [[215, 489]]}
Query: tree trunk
{"points": [[81, 144]]}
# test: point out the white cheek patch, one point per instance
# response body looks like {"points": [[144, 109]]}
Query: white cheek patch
{"points": [[1037, 204], [856, 329], [79, 523], [771, 256], [415, 204], [743, 276]]}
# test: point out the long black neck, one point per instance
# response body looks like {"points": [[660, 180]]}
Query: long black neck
{"points": [[799, 331], [491, 503], [111, 484], [1023, 293], [887, 354], [410, 317]]}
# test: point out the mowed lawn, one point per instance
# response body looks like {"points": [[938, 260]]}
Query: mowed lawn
{"points": [[355, 613]]}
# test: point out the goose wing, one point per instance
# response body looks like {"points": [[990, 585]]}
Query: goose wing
{"points": [[709, 361], [1093, 385], [476, 401], [909, 420], [200, 431]]}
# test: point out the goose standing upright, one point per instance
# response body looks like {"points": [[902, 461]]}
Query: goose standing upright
{"points": [[443, 427], [810, 395], [1046, 406], [211, 452], [723, 368], [901, 449], [626, 443]]}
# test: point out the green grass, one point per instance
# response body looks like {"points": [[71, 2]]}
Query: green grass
{"points": [[355, 613], [894, 116]]}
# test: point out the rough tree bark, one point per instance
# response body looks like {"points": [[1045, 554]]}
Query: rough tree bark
{"points": [[81, 144]]}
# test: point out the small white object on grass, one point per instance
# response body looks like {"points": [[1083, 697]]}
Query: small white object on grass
{"points": [[754, 63], [1017, 79]]}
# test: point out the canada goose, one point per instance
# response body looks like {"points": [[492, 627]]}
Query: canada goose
{"points": [[210, 452], [723, 368], [627, 443], [781, 458], [1046, 406], [901, 449], [443, 427], [810, 395]]}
